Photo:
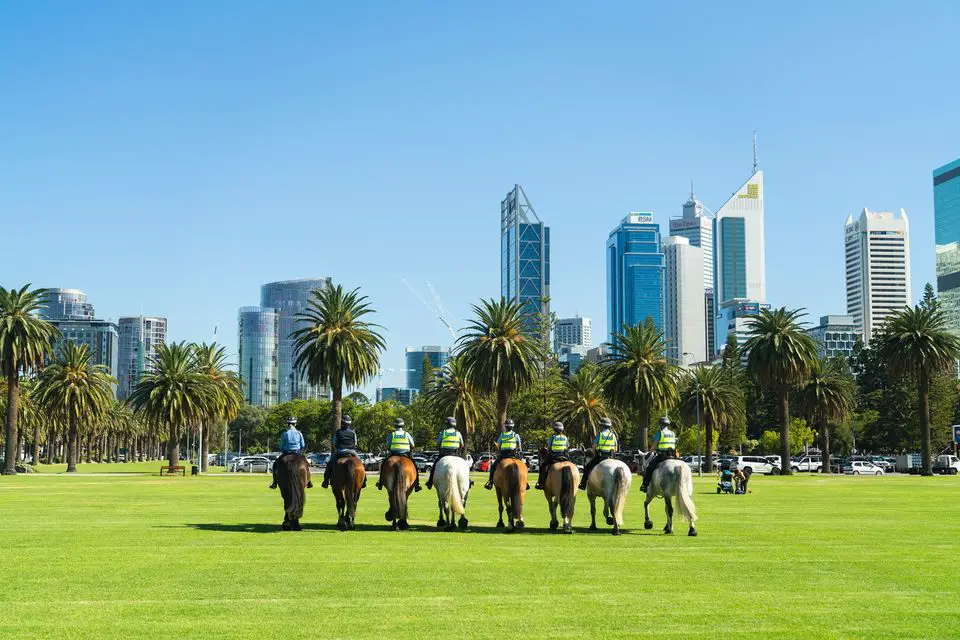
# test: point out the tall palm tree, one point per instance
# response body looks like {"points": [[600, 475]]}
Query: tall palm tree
{"points": [[335, 345], [227, 393], [26, 341], [638, 376], [78, 389], [916, 341], [829, 395], [500, 356], [712, 395], [779, 356], [583, 403], [453, 394], [173, 393]]}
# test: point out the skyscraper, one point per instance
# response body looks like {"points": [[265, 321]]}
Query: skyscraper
{"points": [[524, 255], [946, 220], [438, 356], [634, 273], [258, 339], [572, 332], [696, 224], [67, 304], [877, 267], [289, 298], [70, 312], [139, 338], [684, 301]]}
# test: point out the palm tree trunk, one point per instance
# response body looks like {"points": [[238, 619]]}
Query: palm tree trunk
{"points": [[173, 447], [13, 411], [89, 446], [783, 409], [205, 449], [128, 446], [708, 449], [644, 414], [51, 445], [503, 401], [35, 452], [824, 447], [923, 391], [72, 445], [337, 403]]}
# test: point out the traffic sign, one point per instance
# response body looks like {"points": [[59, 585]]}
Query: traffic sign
{"points": [[956, 433]]}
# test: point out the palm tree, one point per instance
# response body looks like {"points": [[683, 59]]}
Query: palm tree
{"points": [[916, 341], [452, 394], [227, 393], [713, 396], [583, 402], [828, 396], [499, 355], [78, 389], [334, 345], [26, 341], [638, 376], [173, 393], [779, 356]]}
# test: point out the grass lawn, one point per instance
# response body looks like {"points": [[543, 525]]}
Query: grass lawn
{"points": [[149, 557]]}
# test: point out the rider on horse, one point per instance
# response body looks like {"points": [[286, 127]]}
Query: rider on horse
{"points": [[604, 446], [557, 446], [291, 441], [450, 442], [509, 444], [400, 443], [666, 444], [343, 443]]}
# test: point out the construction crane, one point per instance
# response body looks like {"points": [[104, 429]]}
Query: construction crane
{"points": [[437, 310]]}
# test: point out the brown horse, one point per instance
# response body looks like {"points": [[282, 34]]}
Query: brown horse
{"points": [[346, 480], [510, 480], [398, 475], [293, 475], [560, 490]]}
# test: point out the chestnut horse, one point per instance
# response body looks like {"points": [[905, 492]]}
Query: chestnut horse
{"points": [[398, 475], [560, 490], [510, 480], [346, 481], [293, 475]]}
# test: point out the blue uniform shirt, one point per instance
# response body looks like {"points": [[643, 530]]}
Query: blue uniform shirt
{"points": [[292, 440]]}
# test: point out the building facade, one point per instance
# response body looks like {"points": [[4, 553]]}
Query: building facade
{"points": [[67, 304], [634, 274], [696, 225], [437, 355], [524, 256], [401, 394], [835, 336], [946, 220], [139, 338], [684, 301], [877, 246], [290, 298], [574, 331], [258, 341], [69, 311], [733, 319]]}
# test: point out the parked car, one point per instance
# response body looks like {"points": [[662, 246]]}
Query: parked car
{"points": [[318, 459], [627, 457], [946, 465], [861, 468], [813, 464], [423, 462], [371, 462], [253, 464], [885, 464], [756, 464], [482, 461]]}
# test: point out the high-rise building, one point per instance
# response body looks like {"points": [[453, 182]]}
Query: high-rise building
{"points": [[946, 221], [576, 332], [684, 301], [139, 338], [437, 355], [401, 394], [733, 318], [877, 267], [634, 273], [835, 336], [524, 256], [289, 298], [570, 357], [67, 304], [696, 224], [70, 312], [258, 340]]}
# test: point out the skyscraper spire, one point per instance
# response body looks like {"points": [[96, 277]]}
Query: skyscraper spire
{"points": [[755, 165], [693, 195]]}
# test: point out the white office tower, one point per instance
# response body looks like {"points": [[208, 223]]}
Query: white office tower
{"points": [[684, 301], [572, 332], [878, 267], [696, 225]]}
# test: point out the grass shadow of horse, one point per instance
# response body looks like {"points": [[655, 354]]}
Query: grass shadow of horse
{"points": [[265, 527]]}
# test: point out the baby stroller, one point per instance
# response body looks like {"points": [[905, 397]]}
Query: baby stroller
{"points": [[726, 482]]}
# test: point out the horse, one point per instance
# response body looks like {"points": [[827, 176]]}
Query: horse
{"points": [[293, 476], [609, 480], [346, 480], [397, 475], [451, 479], [560, 490], [510, 480], [672, 478]]}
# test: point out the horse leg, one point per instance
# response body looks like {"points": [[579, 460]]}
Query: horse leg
{"points": [[552, 503], [500, 507], [607, 511], [286, 523], [341, 513], [295, 525], [647, 522], [669, 507], [441, 521], [402, 523], [593, 511], [462, 523]]}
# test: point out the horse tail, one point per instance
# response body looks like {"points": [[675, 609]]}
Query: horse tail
{"points": [[618, 497], [298, 475], [513, 490], [568, 492], [399, 492], [452, 497], [685, 494]]}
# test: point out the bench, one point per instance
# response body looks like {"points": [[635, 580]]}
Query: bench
{"points": [[171, 470]]}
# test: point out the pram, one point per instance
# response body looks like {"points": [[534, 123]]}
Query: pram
{"points": [[726, 482]]}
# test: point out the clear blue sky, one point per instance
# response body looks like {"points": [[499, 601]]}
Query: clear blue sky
{"points": [[172, 156]]}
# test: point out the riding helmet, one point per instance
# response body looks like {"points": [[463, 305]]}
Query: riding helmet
{"points": [[346, 421], [291, 420], [508, 424], [664, 421], [558, 426], [451, 422], [606, 422], [398, 423]]}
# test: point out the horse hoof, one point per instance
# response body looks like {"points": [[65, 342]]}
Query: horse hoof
{"points": [[567, 529], [394, 527], [667, 532], [648, 525], [500, 525], [616, 530], [519, 525], [388, 516], [285, 526], [610, 520], [342, 525], [452, 526], [554, 524], [296, 526], [403, 525], [463, 522], [592, 527], [692, 533], [441, 523]]}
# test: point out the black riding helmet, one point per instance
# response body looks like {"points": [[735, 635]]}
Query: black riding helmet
{"points": [[451, 422], [345, 421], [398, 423], [558, 426], [508, 424]]}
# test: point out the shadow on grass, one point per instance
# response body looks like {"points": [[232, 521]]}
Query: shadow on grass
{"points": [[262, 527]]}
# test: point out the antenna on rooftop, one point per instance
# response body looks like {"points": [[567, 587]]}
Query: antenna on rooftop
{"points": [[755, 165]]}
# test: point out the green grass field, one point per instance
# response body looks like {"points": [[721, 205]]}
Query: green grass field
{"points": [[148, 557]]}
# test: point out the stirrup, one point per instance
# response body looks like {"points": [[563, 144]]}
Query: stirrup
{"points": [[488, 486]]}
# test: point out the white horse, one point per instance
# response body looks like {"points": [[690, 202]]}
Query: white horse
{"points": [[451, 479], [609, 480], [671, 479]]}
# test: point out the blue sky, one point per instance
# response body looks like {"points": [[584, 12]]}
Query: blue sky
{"points": [[172, 156]]}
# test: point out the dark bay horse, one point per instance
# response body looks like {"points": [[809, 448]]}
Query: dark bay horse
{"points": [[510, 480], [560, 490], [293, 475], [346, 481], [397, 475]]}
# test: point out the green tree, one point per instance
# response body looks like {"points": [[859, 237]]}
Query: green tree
{"points": [[249, 420], [583, 403], [828, 396], [917, 341], [779, 357], [335, 345], [453, 394], [427, 374], [929, 300], [26, 342], [712, 395], [358, 398], [225, 395], [79, 390]]}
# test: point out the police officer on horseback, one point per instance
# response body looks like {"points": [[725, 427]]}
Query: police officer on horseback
{"points": [[510, 447], [343, 443], [557, 446], [291, 441], [604, 446], [450, 442], [666, 444], [400, 443]]}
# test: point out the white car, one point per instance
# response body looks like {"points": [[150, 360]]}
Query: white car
{"points": [[862, 468], [253, 464], [806, 463], [756, 464]]}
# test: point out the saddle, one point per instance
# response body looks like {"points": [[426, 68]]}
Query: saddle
{"points": [[560, 457], [345, 454]]}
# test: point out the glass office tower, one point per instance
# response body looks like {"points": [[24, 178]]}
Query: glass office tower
{"points": [[258, 335], [524, 256], [635, 271], [438, 356], [946, 219]]}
